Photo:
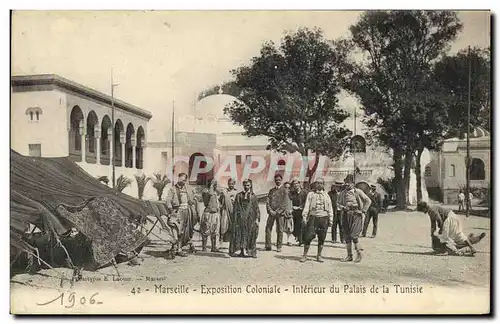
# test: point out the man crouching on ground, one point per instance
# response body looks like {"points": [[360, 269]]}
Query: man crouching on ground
{"points": [[317, 217], [449, 239]]}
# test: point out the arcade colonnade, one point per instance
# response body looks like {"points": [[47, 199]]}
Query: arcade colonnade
{"points": [[90, 137]]}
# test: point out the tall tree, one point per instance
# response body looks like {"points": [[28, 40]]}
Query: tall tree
{"points": [[289, 94], [452, 73], [398, 50]]}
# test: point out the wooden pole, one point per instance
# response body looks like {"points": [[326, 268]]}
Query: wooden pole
{"points": [[467, 166]]}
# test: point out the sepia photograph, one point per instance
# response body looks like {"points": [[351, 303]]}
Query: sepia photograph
{"points": [[233, 162]]}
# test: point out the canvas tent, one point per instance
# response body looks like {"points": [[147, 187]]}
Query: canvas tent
{"points": [[56, 195]]}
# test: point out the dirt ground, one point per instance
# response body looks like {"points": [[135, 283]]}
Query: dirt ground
{"points": [[400, 254]]}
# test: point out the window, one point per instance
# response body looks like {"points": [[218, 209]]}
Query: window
{"points": [[452, 170], [358, 144], [34, 113], [428, 171], [476, 169], [238, 159], [248, 159], [35, 150]]}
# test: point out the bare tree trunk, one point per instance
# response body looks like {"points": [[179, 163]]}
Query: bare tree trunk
{"points": [[406, 175], [418, 169], [398, 179], [312, 171]]}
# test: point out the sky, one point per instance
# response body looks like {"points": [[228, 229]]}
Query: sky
{"points": [[159, 57]]}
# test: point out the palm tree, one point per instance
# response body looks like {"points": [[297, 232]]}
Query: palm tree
{"points": [[159, 183], [122, 182], [142, 181]]}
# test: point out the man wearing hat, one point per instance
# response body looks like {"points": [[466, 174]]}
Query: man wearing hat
{"points": [[373, 211], [337, 220], [317, 216], [354, 203]]}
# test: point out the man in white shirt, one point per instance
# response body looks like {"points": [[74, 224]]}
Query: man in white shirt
{"points": [[317, 216]]}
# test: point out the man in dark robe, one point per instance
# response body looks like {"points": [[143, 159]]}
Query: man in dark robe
{"points": [[245, 224], [181, 202]]}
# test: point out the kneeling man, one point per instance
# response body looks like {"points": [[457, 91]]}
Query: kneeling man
{"points": [[450, 239]]}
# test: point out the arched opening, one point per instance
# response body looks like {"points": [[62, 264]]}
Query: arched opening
{"points": [[105, 140], [92, 123], [129, 135], [358, 144], [476, 170], [34, 113], [117, 145], [201, 178], [75, 134], [139, 149]]}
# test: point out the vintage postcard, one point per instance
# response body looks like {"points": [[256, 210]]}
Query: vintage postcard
{"points": [[250, 162]]}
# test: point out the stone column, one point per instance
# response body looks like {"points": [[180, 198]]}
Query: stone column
{"points": [[143, 149], [97, 138], [122, 142], [84, 141], [133, 142]]}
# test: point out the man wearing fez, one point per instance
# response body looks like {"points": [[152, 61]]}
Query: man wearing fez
{"points": [[277, 205], [317, 216], [181, 202], [337, 220], [373, 211], [354, 203]]}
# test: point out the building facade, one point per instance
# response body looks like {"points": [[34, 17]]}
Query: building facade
{"points": [[446, 173], [205, 131], [54, 117]]}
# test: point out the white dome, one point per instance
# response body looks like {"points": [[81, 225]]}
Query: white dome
{"points": [[213, 106]]}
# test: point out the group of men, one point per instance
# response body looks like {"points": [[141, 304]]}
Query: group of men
{"points": [[227, 216], [312, 213], [234, 217]]}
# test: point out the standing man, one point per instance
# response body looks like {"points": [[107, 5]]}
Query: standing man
{"points": [[277, 204], [461, 199], [227, 202], [373, 211], [316, 217], [354, 203], [210, 219], [246, 222], [337, 221], [181, 202], [298, 198]]}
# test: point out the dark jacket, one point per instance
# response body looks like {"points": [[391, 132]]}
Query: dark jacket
{"points": [[277, 201]]}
